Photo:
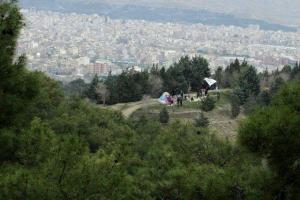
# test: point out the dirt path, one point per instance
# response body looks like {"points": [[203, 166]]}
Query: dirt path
{"points": [[128, 108]]}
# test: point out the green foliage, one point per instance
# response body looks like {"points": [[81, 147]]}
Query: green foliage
{"points": [[111, 83], [127, 87], [218, 76], [164, 116], [248, 84], [235, 106], [35, 144], [56, 147], [275, 85], [76, 88], [187, 72], [287, 69], [201, 121], [9, 144], [295, 71], [208, 104], [264, 98], [231, 75], [91, 92], [132, 86], [251, 105], [273, 133]]}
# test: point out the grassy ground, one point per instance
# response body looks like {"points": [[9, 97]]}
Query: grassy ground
{"points": [[220, 119]]}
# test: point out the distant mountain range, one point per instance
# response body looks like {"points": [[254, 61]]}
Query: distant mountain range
{"points": [[158, 14]]}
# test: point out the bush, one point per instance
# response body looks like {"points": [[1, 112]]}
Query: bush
{"points": [[273, 133], [235, 106], [164, 116], [276, 85], [208, 104], [201, 121], [264, 98], [250, 105]]}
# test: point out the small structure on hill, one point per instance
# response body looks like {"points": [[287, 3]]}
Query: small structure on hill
{"points": [[208, 84]]}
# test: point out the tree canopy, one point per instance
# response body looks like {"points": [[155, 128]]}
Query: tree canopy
{"points": [[273, 133], [54, 146]]}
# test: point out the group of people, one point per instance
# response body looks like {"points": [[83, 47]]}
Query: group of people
{"points": [[168, 99], [179, 97]]}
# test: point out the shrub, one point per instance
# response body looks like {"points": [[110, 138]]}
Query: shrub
{"points": [[273, 133], [264, 98], [208, 104], [201, 121], [235, 106], [250, 105], [164, 116]]}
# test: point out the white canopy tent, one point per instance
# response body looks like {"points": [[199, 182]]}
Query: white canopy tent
{"points": [[210, 81]]}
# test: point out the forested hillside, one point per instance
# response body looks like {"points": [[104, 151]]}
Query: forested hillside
{"points": [[58, 146]]}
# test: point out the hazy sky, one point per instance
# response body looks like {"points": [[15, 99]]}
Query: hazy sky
{"points": [[281, 11]]}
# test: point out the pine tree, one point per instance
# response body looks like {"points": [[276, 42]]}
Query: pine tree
{"points": [[18, 87], [273, 134], [201, 121], [249, 84], [276, 84], [264, 98], [164, 116], [219, 76], [92, 89], [235, 106], [111, 83], [208, 104]]}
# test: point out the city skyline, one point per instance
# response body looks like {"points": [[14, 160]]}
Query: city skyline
{"points": [[68, 44]]}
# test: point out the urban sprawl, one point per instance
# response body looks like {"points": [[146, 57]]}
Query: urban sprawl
{"points": [[68, 46]]}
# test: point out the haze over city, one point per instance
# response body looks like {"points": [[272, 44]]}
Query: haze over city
{"points": [[72, 38]]}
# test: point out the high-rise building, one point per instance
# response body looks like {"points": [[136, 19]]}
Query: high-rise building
{"points": [[100, 68]]}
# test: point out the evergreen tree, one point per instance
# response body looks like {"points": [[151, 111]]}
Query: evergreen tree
{"points": [[273, 133], [264, 98], [18, 87], [287, 69], [67, 148], [234, 67], [76, 88], [91, 92], [249, 84], [208, 104], [235, 105], [250, 105], [219, 76], [295, 71], [232, 74], [202, 121], [111, 84], [199, 71], [164, 116], [276, 84], [176, 79]]}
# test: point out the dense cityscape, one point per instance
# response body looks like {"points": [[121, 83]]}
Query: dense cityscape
{"points": [[68, 46]]}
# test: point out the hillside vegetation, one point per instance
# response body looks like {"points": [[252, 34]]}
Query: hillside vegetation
{"points": [[57, 146]]}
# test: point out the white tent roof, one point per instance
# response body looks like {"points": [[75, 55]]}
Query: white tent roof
{"points": [[166, 94], [210, 81]]}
